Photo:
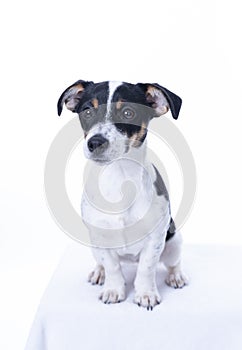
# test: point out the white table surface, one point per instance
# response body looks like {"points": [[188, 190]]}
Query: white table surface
{"points": [[205, 315]]}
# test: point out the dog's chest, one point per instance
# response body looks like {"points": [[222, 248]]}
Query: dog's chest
{"points": [[122, 196]]}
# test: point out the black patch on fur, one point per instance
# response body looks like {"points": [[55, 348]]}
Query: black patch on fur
{"points": [[130, 93], [99, 91], [171, 231], [160, 185], [128, 129], [134, 97]]}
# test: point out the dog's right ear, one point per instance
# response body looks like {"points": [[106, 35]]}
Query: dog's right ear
{"points": [[161, 99], [72, 96]]}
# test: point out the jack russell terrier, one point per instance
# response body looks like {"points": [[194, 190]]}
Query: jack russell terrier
{"points": [[115, 117]]}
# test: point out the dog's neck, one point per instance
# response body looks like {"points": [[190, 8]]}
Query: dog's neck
{"points": [[138, 154], [132, 166]]}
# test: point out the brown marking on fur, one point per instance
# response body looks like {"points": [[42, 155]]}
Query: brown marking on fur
{"points": [[150, 95], [95, 103], [119, 104], [151, 91], [137, 137], [79, 87]]}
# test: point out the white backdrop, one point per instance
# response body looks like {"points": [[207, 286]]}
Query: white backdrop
{"points": [[190, 47]]}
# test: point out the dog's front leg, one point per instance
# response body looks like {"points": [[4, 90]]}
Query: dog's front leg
{"points": [[114, 285], [146, 293]]}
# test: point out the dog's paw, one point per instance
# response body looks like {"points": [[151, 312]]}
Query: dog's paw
{"points": [[176, 280], [148, 300], [97, 276], [111, 296]]}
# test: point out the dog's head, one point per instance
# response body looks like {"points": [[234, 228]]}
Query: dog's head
{"points": [[115, 116]]}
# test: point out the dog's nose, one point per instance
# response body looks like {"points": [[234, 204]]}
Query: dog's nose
{"points": [[96, 141]]}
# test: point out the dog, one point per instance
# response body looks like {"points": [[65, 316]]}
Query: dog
{"points": [[115, 118]]}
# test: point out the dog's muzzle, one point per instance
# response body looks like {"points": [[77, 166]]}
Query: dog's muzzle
{"points": [[97, 144]]}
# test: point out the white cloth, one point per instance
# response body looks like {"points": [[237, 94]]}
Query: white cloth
{"points": [[205, 315]]}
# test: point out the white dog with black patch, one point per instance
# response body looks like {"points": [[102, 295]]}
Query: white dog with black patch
{"points": [[115, 118]]}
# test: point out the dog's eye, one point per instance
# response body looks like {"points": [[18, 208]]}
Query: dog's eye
{"points": [[87, 113], [128, 113]]}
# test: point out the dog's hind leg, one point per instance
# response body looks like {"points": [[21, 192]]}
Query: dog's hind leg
{"points": [[171, 257]]}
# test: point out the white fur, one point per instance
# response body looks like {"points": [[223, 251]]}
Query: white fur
{"points": [[113, 85], [147, 251]]}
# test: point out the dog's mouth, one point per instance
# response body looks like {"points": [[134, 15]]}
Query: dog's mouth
{"points": [[101, 161]]}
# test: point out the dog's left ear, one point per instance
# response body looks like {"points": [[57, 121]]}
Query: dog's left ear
{"points": [[161, 99], [72, 96]]}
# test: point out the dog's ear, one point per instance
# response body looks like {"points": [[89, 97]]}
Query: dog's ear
{"points": [[72, 96], [161, 99]]}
